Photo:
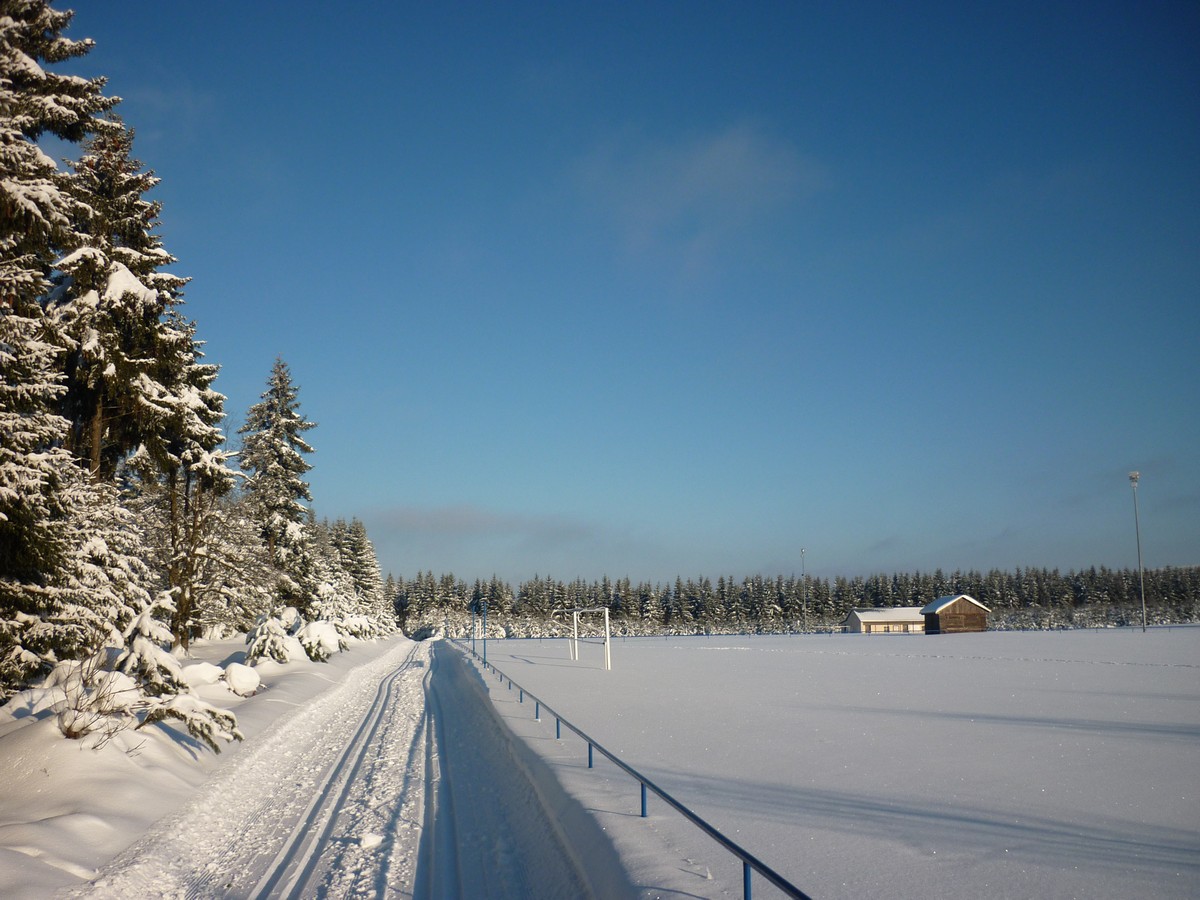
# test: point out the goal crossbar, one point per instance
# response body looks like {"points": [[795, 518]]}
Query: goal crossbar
{"points": [[575, 639]]}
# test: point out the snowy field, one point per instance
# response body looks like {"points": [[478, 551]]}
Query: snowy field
{"points": [[1044, 764], [1002, 764]]}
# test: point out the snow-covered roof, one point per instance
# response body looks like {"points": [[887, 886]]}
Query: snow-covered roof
{"points": [[942, 602], [889, 614]]}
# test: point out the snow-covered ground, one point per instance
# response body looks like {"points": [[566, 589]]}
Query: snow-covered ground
{"points": [[219, 822], [1007, 764], [326, 796], [1044, 764]]}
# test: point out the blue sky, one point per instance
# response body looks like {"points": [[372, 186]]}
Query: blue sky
{"points": [[682, 288]]}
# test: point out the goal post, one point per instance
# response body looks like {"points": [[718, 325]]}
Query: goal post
{"points": [[575, 614]]}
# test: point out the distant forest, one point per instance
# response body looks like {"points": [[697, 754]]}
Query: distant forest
{"points": [[1026, 598]]}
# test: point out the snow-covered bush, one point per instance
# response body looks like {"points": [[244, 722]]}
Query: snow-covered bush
{"points": [[273, 637], [147, 656], [241, 680], [202, 673], [111, 690], [203, 721], [93, 701], [321, 640], [360, 627]]}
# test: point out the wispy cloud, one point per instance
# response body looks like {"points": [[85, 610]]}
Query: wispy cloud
{"points": [[472, 522], [687, 198], [474, 542]]}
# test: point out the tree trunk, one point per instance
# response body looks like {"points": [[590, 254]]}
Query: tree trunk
{"points": [[97, 435]]}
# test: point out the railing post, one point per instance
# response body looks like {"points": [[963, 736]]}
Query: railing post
{"points": [[537, 710], [557, 728], [643, 799], [589, 754], [746, 880], [522, 695]]}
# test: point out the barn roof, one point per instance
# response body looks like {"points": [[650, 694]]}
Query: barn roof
{"points": [[889, 614], [942, 602]]}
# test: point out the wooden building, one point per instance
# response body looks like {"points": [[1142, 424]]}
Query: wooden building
{"points": [[888, 620], [951, 615]]}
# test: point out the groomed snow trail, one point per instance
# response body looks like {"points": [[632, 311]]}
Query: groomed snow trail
{"points": [[497, 823], [327, 803], [400, 781]]}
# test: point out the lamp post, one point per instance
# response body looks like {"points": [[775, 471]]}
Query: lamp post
{"points": [[1137, 530], [485, 632]]}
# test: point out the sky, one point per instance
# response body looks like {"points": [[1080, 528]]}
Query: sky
{"points": [[659, 289]]}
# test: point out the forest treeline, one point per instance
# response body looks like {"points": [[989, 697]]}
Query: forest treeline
{"points": [[1026, 598]]}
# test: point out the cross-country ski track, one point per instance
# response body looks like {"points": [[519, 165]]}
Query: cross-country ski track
{"points": [[401, 780]]}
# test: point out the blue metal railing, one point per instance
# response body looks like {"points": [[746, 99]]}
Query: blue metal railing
{"points": [[750, 863]]}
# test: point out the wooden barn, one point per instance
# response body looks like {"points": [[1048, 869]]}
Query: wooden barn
{"points": [[888, 620], [951, 615]]}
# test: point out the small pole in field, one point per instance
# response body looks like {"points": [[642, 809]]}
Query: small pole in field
{"points": [[1133, 481]]}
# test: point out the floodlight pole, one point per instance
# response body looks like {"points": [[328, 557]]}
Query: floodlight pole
{"points": [[1137, 530]]}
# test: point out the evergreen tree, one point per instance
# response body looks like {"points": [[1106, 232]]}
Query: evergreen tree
{"points": [[234, 574], [184, 471], [368, 580], [109, 305], [273, 456], [35, 220]]}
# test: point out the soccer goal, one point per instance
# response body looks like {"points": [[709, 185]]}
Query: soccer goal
{"points": [[576, 640]]}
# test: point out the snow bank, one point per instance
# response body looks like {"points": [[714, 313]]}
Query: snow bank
{"points": [[202, 673], [66, 811], [241, 679]]}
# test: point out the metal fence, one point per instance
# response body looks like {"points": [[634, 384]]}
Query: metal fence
{"points": [[750, 863]]}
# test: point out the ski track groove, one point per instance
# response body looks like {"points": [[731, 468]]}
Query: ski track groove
{"points": [[307, 838], [337, 872], [285, 778]]}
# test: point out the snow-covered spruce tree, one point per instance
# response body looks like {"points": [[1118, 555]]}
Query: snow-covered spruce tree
{"points": [[147, 659], [182, 470], [368, 580], [336, 598], [273, 457], [274, 637], [235, 576], [109, 303], [35, 220], [130, 674]]}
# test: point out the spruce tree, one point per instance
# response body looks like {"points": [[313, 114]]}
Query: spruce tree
{"points": [[272, 455], [35, 222], [182, 469], [110, 304]]}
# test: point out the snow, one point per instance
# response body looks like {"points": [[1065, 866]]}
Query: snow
{"points": [[242, 679], [942, 602], [1049, 764], [201, 673], [1045, 764], [66, 812], [889, 614], [121, 282]]}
